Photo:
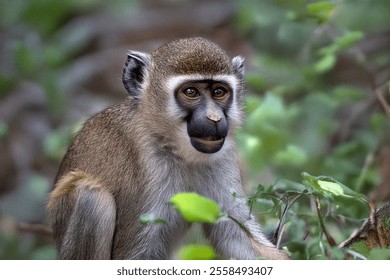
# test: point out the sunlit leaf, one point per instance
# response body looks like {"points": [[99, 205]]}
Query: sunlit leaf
{"points": [[292, 156], [329, 186], [325, 63], [332, 187], [349, 39], [343, 42], [322, 10], [196, 208], [320, 7], [197, 252]]}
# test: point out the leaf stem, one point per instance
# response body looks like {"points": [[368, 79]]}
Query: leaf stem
{"points": [[329, 238]]}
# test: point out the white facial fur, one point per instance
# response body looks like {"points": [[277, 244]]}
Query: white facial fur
{"points": [[185, 148], [231, 80]]}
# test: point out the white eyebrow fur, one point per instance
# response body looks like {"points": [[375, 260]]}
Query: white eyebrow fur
{"points": [[174, 82]]}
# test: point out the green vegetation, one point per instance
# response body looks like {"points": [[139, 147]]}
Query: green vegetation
{"points": [[318, 81], [304, 116]]}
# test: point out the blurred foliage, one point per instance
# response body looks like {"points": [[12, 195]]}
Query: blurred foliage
{"points": [[41, 44], [56, 142], [294, 117], [197, 252], [37, 46], [292, 120], [23, 247]]}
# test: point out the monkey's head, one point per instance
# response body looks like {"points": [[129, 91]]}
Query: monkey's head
{"points": [[188, 89]]}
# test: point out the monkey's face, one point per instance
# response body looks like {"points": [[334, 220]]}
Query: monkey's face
{"points": [[205, 104], [190, 94]]}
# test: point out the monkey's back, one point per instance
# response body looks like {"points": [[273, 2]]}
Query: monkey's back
{"points": [[105, 150], [104, 147]]}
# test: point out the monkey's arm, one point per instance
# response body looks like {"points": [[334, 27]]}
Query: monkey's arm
{"points": [[241, 236], [83, 215], [232, 241]]}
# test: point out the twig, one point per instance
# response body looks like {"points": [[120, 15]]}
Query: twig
{"points": [[382, 100], [280, 234], [241, 225], [279, 229], [36, 228], [356, 254], [368, 161], [327, 235]]}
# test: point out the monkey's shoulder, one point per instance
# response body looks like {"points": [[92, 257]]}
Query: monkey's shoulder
{"points": [[105, 140], [112, 117]]}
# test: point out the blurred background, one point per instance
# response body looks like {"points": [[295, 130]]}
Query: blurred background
{"points": [[318, 97]]}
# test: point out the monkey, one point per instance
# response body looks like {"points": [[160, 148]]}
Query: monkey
{"points": [[173, 133]]}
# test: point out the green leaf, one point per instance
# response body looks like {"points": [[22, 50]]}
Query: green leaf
{"points": [[3, 129], [26, 58], [6, 83], [262, 205], [151, 218], [251, 145], [46, 16], [39, 186], [349, 39], [345, 41], [322, 10], [325, 64], [330, 187], [196, 208], [291, 156], [197, 252], [361, 247], [379, 254], [271, 108], [47, 252], [320, 7], [284, 186], [56, 142]]}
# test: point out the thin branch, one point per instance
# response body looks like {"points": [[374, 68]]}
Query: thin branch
{"points": [[368, 161], [280, 234], [327, 235], [279, 229], [241, 225], [356, 254], [382, 100], [35, 228]]}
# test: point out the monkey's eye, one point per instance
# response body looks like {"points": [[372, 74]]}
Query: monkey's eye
{"points": [[219, 92], [191, 92]]}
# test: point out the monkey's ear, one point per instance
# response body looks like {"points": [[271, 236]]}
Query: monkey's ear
{"points": [[238, 67], [134, 72]]}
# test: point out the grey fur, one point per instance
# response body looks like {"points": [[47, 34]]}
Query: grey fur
{"points": [[132, 158]]}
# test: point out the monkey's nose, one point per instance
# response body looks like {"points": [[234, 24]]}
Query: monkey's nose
{"points": [[214, 117]]}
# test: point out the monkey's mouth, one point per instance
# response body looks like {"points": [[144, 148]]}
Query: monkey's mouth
{"points": [[208, 139], [208, 144]]}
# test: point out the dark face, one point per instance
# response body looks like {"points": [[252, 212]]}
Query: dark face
{"points": [[206, 104]]}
